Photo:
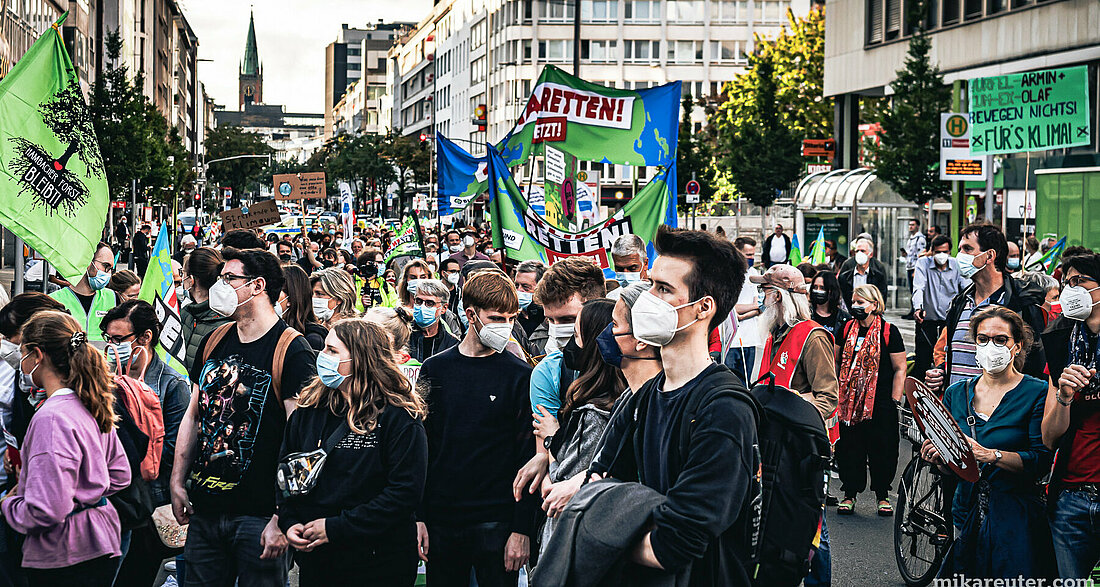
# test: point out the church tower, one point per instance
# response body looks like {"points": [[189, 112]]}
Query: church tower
{"points": [[251, 75]]}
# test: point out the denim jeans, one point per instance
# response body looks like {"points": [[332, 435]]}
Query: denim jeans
{"points": [[740, 360], [821, 565], [1075, 527], [223, 550], [454, 550]]}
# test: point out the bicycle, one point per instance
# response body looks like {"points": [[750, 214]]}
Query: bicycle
{"points": [[922, 530]]}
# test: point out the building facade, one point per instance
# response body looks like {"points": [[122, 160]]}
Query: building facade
{"points": [[21, 23], [250, 77], [356, 62]]}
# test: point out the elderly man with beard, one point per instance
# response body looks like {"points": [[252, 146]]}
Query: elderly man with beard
{"points": [[799, 352]]}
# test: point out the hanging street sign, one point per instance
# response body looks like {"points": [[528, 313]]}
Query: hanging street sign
{"points": [[956, 162]]}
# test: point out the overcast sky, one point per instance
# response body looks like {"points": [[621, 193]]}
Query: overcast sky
{"points": [[291, 36]]}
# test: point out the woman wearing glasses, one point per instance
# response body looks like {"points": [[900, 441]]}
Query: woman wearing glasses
{"points": [[355, 519], [1000, 521]]}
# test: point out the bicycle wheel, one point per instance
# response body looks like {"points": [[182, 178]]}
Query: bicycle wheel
{"points": [[921, 533]]}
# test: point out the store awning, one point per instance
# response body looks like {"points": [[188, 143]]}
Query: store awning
{"points": [[841, 188]]}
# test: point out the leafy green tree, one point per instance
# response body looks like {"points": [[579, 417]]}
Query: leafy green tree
{"points": [[411, 161], [692, 154], [360, 161], [770, 109], [907, 156], [238, 174]]}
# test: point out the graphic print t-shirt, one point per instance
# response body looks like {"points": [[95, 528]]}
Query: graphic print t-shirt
{"points": [[241, 421]]}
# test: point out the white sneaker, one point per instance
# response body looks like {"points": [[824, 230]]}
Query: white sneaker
{"points": [[170, 582], [170, 566]]}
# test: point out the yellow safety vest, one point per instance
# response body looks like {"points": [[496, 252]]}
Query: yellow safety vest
{"points": [[102, 303]]}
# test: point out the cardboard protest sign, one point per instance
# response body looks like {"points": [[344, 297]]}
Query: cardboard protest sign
{"points": [[249, 217]]}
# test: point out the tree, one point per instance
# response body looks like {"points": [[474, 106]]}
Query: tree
{"points": [[360, 161], [237, 174], [411, 161], [692, 153], [770, 109], [907, 156], [134, 138]]}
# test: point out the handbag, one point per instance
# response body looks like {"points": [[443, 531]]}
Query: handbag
{"points": [[298, 471], [171, 534]]}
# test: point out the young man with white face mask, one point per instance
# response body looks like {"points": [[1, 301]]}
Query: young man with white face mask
{"points": [[246, 378], [479, 433], [936, 282], [1071, 420], [982, 256], [469, 249], [696, 280], [89, 299]]}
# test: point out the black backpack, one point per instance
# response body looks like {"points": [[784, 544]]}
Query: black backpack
{"points": [[795, 454]]}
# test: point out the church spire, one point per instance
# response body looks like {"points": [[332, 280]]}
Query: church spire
{"points": [[251, 64]]}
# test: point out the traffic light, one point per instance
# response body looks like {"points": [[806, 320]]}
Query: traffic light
{"points": [[423, 141], [480, 115]]}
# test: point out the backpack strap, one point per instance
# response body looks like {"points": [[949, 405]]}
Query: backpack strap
{"points": [[279, 358], [214, 339], [566, 376], [695, 403]]}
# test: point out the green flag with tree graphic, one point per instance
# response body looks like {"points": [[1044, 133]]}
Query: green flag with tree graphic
{"points": [[53, 190], [406, 241]]}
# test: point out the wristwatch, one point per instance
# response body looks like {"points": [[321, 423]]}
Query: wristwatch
{"points": [[997, 454], [547, 441]]}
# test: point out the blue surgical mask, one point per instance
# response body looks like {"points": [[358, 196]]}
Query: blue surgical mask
{"points": [[609, 347], [412, 285], [328, 369], [627, 278], [121, 351], [423, 315], [1013, 263], [380, 271], [750, 260], [966, 265], [99, 280], [760, 299], [525, 299]]}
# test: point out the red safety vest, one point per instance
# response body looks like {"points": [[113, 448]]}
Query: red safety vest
{"points": [[785, 361]]}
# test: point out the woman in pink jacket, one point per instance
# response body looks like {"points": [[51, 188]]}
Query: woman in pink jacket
{"points": [[72, 460]]}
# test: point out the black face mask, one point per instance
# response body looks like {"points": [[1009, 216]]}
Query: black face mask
{"points": [[571, 355], [819, 297], [859, 312], [285, 257]]}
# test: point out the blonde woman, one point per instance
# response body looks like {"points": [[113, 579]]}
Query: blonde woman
{"points": [[416, 271], [333, 295], [357, 520], [871, 357]]}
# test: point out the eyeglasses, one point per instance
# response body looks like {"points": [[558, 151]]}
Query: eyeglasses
{"points": [[103, 266], [1079, 280], [425, 303], [117, 339], [1000, 340], [227, 277]]}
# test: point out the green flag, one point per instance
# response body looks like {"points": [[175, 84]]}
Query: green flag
{"points": [[53, 189], [795, 258], [817, 249], [406, 241], [525, 235], [1049, 261]]}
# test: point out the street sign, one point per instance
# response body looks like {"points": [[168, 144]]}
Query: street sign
{"points": [[299, 186], [956, 162], [254, 216], [937, 425], [812, 168], [1033, 111], [818, 148], [692, 187]]}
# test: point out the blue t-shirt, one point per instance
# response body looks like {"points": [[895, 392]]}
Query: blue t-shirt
{"points": [[545, 380]]}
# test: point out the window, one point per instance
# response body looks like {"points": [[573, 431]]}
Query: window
{"points": [[527, 49], [477, 70], [599, 10], [727, 52], [727, 11], [556, 50], [353, 50], [599, 51], [641, 51], [556, 11], [694, 89], [685, 51], [685, 11], [643, 10], [477, 35], [776, 11], [353, 67]]}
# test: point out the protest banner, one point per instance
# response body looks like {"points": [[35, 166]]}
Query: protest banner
{"points": [[406, 241], [249, 217], [53, 187], [1033, 111], [159, 289], [524, 234], [299, 186]]}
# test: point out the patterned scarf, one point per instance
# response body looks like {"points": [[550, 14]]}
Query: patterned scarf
{"points": [[859, 373]]}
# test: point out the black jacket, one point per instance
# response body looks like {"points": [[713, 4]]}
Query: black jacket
{"points": [[1020, 297], [594, 536], [768, 248], [876, 276], [422, 347], [1056, 347], [704, 519]]}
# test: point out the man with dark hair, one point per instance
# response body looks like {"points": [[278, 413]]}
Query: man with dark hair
{"points": [[449, 274], [469, 248], [141, 246], [936, 282], [242, 239], [777, 247], [705, 517], [1071, 418], [982, 257], [479, 433], [245, 383], [89, 299], [373, 290], [285, 252], [913, 249]]}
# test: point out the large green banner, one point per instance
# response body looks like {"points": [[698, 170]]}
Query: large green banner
{"points": [[1033, 111], [53, 189], [526, 235]]}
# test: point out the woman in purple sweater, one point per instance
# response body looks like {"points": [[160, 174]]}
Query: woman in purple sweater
{"points": [[72, 460]]}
